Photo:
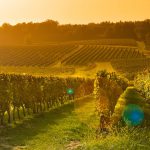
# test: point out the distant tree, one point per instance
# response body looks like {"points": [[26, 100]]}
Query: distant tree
{"points": [[51, 30]]}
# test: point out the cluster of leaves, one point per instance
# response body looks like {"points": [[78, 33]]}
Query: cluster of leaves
{"points": [[142, 83], [107, 89], [129, 96], [31, 94], [123, 82]]}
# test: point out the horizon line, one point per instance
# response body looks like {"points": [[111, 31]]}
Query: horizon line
{"points": [[26, 22]]}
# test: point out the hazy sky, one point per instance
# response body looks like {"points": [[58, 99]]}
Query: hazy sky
{"points": [[73, 11]]}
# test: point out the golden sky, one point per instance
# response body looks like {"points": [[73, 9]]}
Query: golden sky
{"points": [[73, 11]]}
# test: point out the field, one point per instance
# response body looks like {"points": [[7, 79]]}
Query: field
{"points": [[131, 65], [38, 113], [121, 42], [96, 53], [33, 55], [70, 58], [80, 55]]}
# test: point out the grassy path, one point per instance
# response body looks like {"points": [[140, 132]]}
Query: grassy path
{"points": [[51, 130], [71, 127]]}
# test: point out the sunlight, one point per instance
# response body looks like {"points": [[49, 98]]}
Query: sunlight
{"points": [[70, 11]]}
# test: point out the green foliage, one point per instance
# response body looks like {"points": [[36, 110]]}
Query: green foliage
{"points": [[122, 139], [37, 94], [129, 96], [107, 89], [142, 84], [102, 73]]}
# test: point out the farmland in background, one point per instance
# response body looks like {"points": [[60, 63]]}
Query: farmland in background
{"points": [[97, 53], [73, 58]]}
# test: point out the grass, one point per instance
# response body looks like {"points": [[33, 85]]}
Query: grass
{"points": [[45, 128], [71, 126], [124, 139], [50, 130]]}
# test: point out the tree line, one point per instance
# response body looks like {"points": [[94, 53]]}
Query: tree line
{"points": [[52, 31]]}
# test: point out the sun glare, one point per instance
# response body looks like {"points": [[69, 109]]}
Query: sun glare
{"points": [[70, 11]]}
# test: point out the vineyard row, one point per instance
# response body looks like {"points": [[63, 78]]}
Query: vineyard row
{"points": [[29, 94]]}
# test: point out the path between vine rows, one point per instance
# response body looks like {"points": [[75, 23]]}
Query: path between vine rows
{"points": [[62, 128]]}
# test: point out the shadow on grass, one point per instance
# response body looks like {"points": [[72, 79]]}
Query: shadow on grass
{"points": [[30, 127]]}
